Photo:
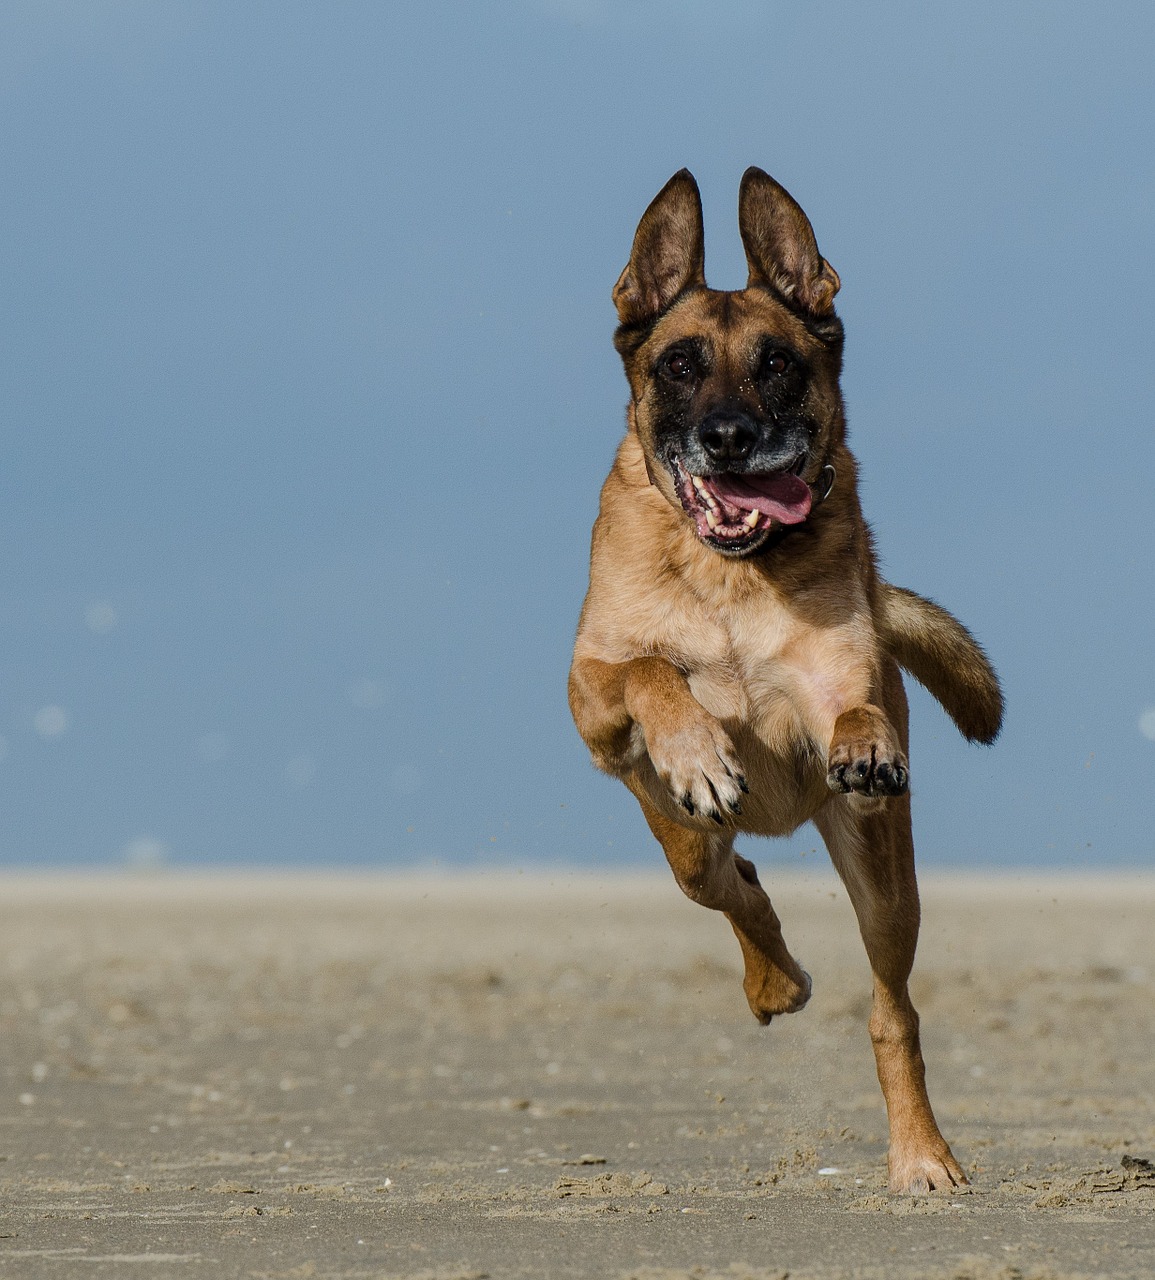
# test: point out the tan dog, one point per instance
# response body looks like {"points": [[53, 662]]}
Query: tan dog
{"points": [[737, 660]]}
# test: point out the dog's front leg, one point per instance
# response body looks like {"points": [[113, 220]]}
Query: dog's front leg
{"points": [[865, 754], [837, 680], [623, 709]]}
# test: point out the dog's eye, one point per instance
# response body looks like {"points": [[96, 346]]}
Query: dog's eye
{"points": [[775, 363], [679, 365]]}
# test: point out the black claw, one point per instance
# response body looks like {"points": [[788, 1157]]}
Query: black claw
{"points": [[741, 781], [869, 778], [892, 779], [836, 779], [688, 804], [735, 806], [717, 817]]}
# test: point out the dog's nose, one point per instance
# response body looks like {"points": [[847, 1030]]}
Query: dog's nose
{"points": [[728, 437]]}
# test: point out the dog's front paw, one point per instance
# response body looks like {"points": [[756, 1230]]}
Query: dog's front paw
{"points": [[698, 764], [865, 756]]}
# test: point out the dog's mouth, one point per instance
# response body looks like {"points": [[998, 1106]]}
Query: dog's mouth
{"points": [[737, 513]]}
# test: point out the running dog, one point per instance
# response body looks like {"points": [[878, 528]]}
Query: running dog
{"points": [[737, 660]]}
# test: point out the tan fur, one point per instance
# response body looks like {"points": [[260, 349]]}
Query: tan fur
{"points": [[943, 656], [732, 694]]}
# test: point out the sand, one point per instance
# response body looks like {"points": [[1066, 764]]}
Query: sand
{"points": [[555, 1075]]}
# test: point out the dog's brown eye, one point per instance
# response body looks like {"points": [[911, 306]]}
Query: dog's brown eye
{"points": [[776, 362], [678, 365]]}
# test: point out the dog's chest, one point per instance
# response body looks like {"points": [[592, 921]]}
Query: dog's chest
{"points": [[764, 665]]}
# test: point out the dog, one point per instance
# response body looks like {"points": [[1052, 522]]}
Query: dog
{"points": [[737, 658]]}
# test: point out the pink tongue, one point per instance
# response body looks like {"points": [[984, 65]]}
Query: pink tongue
{"points": [[784, 497]]}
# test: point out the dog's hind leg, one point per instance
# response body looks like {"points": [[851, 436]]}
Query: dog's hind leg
{"points": [[710, 873], [874, 854]]}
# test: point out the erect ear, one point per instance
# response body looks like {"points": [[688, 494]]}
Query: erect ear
{"points": [[781, 250], [668, 256]]}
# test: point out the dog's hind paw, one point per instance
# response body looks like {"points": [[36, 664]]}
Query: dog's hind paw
{"points": [[919, 1173], [771, 992]]}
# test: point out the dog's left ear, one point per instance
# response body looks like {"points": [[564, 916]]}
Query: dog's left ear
{"points": [[781, 250], [668, 256]]}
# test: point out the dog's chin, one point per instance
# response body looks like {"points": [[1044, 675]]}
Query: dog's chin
{"points": [[737, 547], [734, 526]]}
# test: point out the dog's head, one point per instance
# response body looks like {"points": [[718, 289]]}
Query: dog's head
{"points": [[735, 394]]}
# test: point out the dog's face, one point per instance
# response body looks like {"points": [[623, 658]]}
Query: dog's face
{"points": [[735, 395]]}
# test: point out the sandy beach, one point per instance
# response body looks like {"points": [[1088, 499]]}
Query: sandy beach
{"points": [[556, 1075]]}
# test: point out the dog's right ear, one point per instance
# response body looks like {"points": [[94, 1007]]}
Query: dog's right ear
{"points": [[668, 256]]}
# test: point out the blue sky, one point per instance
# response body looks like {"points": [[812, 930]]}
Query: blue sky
{"points": [[309, 393]]}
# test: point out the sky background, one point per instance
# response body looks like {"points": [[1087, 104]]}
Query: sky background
{"points": [[308, 392]]}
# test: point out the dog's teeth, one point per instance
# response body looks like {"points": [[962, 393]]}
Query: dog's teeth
{"points": [[711, 518], [752, 519]]}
